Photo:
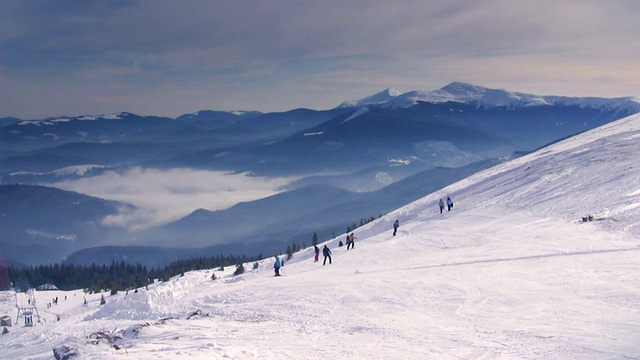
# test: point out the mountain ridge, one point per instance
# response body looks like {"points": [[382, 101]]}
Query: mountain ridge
{"points": [[461, 92], [457, 91], [347, 148]]}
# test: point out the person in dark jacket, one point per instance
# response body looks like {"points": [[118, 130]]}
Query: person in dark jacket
{"points": [[441, 205], [449, 203], [317, 250], [327, 255], [396, 225], [277, 265]]}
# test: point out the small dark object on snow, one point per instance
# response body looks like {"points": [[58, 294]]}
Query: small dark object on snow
{"points": [[196, 314], [101, 335], [64, 352], [588, 218]]}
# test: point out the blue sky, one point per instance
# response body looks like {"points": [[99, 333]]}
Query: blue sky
{"points": [[159, 57]]}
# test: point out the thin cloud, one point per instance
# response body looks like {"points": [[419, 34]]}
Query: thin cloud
{"points": [[163, 196]]}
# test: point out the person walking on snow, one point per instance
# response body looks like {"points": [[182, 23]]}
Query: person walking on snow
{"points": [[449, 204], [277, 265], [317, 250], [396, 225], [441, 204], [327, 255], [350, 241]]}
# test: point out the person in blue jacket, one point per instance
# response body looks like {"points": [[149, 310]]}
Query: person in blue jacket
{"points": [[277, 265], [449, 204]]}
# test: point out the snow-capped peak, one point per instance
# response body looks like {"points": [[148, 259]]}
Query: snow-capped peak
{"points": [[113, 116], [461, 92], [63, 119], [480, 96], [376, 99]]}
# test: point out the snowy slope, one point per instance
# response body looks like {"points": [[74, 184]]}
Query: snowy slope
{"points": [[509, 273]]}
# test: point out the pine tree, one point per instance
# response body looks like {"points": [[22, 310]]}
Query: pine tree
{"points": [[314, 240], [289, 252]]}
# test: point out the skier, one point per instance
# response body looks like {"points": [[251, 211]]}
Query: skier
{"points": [[327, 255], [317, 250], [396, 225], [441, 204], [277, 265], [350, 241], [449, 204]]}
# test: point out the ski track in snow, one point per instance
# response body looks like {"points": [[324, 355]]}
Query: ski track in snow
{"points": [[509, 273]]}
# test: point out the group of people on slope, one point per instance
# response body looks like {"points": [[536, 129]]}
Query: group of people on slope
{"points": [[449, 204], [326, 252]]}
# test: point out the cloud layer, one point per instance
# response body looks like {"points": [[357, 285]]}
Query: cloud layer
{"points": [[168, 58], [168, 195]]}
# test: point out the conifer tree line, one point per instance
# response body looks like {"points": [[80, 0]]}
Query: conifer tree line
{"points": [[363, 221], [115, 277]]}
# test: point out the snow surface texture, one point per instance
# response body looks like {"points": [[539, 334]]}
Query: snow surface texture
{"points": [[510, 273]]}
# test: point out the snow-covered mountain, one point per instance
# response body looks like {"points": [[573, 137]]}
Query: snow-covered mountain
{"points": [[208, 119], [64, 119], [376, 99], [43, 225], [65, 173], [512, 271], [459, 92]]}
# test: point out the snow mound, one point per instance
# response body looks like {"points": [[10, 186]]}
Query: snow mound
{"points": [[160, 301]]}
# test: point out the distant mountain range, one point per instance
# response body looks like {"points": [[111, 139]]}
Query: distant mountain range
{"points": [[482, 97], [43, 224], [361, 159]]}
